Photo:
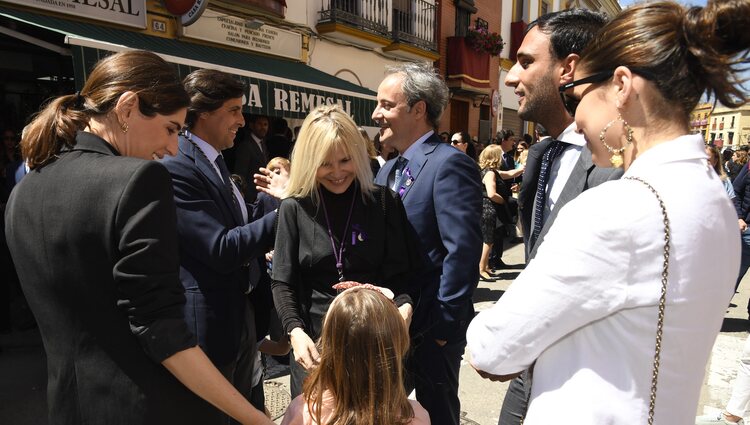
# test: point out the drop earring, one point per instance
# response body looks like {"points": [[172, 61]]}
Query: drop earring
{"points": [[616, 158], [124, 127]]}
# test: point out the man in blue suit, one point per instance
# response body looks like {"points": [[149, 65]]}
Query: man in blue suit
{"points": [[218, 247], [440, 189]]}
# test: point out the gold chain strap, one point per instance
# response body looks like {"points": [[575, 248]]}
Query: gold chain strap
{"points": [[662, 300], [662, 304]]}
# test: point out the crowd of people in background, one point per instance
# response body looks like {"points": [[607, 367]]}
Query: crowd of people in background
{"points": [[164, 240]]}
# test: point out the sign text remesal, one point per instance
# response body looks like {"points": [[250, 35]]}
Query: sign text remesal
{"points": [[125, 12], [294, 101]]}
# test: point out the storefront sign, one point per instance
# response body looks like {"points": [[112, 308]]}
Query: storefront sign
{"points": [[125, 12], [287, 101], [235, 32]]}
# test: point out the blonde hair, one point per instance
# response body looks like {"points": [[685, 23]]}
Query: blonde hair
{"points": [[278, 162], [326, 129], [363, 343], [368, 143], [491, 157]]}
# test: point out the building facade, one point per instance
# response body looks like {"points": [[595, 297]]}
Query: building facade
{"points": [[729, 128], [699, 119]]}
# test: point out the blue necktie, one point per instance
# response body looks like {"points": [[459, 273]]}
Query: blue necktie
{"points": [[553, 151], [398, 170]]}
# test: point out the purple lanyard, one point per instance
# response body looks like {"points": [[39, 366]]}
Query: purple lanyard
{"points": [[339, 256]]}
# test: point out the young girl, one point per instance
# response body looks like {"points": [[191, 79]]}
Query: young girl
{"points": [[359, 378]]}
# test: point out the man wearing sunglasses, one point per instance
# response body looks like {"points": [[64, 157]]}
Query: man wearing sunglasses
{"points": [[555, 172]]}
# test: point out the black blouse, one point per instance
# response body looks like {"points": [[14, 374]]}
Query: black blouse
{"points": [[379, 249]]}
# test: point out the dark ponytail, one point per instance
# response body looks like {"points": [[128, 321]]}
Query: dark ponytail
{"points": [[52, 128], [155, 82], [718, 38]]}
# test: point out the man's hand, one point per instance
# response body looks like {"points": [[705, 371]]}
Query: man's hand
{"points": [[271, 183], [743, 225]]}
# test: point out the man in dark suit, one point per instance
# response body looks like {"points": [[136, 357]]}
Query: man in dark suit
{"points": [[218, 246], [440, 189], [252, 154], [547, 59]]}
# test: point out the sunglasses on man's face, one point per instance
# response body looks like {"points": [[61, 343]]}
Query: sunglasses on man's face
{"points": [[457, 142]]}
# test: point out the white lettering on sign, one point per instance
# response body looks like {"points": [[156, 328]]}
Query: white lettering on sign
{"points": [[125, 12], [289, 101]]}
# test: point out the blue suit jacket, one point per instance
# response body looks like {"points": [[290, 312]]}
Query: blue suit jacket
{"points": [[215, 249], [443, 199]]}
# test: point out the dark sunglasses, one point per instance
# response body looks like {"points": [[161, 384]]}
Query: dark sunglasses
{"points": [[571, 103], [456, 142]]}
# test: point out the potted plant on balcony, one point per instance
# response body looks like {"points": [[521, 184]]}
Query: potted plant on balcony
{"points": [[482, 40]]}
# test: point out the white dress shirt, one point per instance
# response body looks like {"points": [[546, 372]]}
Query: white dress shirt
{"points": [[585, 308], [562, 167]]}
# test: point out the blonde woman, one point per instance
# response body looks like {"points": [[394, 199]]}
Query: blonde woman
{"points": [[496, 198], [359, 381], [334, 225]]}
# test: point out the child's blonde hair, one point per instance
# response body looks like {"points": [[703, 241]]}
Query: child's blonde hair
{"points": [[278, 162]]}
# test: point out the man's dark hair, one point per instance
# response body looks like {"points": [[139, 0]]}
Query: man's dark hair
{"points": [[541, 131], [208, 90], [569, 30], [505, 134]]}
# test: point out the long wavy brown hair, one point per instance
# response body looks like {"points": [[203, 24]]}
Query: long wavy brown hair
{"points": [[363, 344]]}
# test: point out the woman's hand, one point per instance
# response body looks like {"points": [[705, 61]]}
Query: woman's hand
{"points": [[406, 311], [305, 352]]}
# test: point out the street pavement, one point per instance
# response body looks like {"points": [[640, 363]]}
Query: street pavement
{"points": [[23, 369]]}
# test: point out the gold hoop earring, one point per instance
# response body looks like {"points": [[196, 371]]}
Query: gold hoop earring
{"points": [[124, 127], [616, 159]]}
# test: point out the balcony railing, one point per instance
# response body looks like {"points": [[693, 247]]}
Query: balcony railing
{"points": [[414, 23], [368, 15], [410, 22]]}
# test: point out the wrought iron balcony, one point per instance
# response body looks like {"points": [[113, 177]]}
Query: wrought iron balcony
{"points": [[406, 27], [414, 23], [367, 15]]}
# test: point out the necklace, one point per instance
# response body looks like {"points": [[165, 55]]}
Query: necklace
{"points": [[338, 254]]}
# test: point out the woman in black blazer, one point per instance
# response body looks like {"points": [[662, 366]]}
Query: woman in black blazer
{"points": [[92, 231]]}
